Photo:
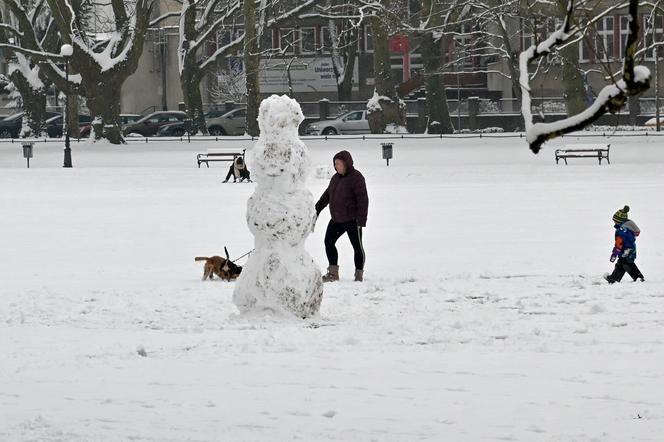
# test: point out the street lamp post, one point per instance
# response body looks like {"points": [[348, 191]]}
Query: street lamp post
{"points": [[658, 123], [458, 100], [66, 51]]}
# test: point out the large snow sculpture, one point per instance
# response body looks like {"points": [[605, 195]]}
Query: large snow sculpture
{"points": [[280, 275]]}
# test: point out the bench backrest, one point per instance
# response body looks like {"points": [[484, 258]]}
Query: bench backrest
{"points": [[226, 151], [586, 147]]}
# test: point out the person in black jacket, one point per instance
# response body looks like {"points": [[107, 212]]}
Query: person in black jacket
{"points": [[238, 170], [349, 204]]}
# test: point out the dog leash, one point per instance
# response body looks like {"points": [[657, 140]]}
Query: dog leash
{"points": [[246, 254], [313, 224]]}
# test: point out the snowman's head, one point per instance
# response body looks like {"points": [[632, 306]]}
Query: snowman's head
{"points": [[279, 116]]}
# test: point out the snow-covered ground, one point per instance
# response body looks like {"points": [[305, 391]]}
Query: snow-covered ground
{"points": [[483, 315]]}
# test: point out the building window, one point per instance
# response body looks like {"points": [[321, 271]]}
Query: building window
{"points": [[462, 47], [605, 45], [649, 27], [368, 39], [585, 51], [307, 40], [239, 33], [287, 40], [223, 38], [527, 35], [325, 41], [624, 33], [551, 25]]}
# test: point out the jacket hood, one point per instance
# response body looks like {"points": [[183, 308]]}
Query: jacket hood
{"points": [[346, 157], [631, 225]]}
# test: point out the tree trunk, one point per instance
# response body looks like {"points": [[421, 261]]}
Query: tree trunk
{"points": [[433, 57], [512, 60], [105, 109], [345, 86], [573, 90], [252, 60], [34, 105], [439, 114], [193, 101], [190, 71], [390, 109], [71, 114]]}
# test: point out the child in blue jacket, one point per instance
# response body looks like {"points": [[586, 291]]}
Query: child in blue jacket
{"points": [[625, 248]]}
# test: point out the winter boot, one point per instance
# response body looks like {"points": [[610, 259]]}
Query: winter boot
{"points": [[359, 275], [609, 279], [332, 274]]}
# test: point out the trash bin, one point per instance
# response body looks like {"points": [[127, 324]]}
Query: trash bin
{"points": [[27, 152], [387, 152]]}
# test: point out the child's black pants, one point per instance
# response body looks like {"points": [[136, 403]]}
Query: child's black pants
{"points": [[623, 266]]}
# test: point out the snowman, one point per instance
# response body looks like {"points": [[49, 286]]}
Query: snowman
{"points": [[280, 276]]}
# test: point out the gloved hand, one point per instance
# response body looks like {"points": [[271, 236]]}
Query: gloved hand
{"points": [[626, 253], [313, 223], [613, 258]]}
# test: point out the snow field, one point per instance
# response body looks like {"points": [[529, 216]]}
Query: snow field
{"points": [[483, 315]]}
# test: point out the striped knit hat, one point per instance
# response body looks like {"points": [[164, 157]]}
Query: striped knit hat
{"points": [[621, 215]]}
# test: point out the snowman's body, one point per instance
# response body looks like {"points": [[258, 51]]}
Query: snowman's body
{"points": [[280, 275]]}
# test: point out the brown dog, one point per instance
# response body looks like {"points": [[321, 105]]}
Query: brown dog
{"points": [[224, 268]]}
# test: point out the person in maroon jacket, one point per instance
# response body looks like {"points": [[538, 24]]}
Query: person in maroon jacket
{"points": [[349, 203]]}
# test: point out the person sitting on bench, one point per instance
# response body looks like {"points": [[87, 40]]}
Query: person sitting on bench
{"points": [[238, 170]]}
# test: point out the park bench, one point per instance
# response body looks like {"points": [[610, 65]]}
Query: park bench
{"points": [[218, 154], [583, 151]]}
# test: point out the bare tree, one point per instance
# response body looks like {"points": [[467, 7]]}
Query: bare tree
{"points": [[102, 58], [259, 16], [200, 22], [343, 24], [385, 108], [229, 85], [635, 80], [24, 73]]}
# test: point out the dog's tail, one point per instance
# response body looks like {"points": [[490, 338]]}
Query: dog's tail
{"points": [[201, 258]]}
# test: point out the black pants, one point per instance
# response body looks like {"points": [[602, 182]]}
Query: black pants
{"points": [[244, 174], [623, 266], [334, 232]]}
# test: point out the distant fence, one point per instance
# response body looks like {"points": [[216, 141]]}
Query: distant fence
{"points": [[372, 137]]}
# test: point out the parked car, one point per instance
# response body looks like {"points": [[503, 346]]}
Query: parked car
{"points": [[228, 123], [354, 122], [10, 127], [214, 113], [150, 124], [125, 119], [54, 125], [172, 130], [653, 122]]}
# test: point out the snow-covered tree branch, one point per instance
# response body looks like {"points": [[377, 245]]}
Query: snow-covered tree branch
{"points": [[635, 80]]}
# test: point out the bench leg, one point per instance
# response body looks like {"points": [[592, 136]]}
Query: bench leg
{"points": [[557, 160], [565, 161]]}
